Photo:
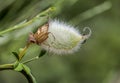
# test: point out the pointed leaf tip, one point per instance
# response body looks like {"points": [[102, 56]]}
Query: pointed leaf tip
{"points": [[16, 55]]}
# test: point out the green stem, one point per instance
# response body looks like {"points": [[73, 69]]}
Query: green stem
{"points": [[32, 59], [43, 52], [29, 77], [6, 67], [22, 53], [22, 25]]}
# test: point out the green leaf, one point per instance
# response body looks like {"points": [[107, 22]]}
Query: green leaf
{"points": [[42, 53], [19, 67], [16, 55]]}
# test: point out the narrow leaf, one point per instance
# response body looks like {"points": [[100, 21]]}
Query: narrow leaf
{"points": [[16, 55], [42, 53]]}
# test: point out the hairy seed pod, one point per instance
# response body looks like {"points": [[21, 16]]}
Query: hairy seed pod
{"points": [[59, 38], [63, 38]]}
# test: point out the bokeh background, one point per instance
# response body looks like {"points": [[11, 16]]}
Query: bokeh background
{"points": [[97, 61]]}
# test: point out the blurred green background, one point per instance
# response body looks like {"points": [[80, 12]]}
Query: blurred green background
{"points": [[98, 60]]}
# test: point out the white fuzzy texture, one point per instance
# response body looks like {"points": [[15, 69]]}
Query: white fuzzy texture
{"points": [[63, 38]]}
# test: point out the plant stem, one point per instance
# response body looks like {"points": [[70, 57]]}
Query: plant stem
{"points": [[32, 59], [6, 67], [43, 52], [22, 53], [29, 77], [22, 25]]}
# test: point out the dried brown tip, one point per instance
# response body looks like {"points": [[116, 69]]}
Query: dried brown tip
{"points": [[31, 38], [40, 36]]}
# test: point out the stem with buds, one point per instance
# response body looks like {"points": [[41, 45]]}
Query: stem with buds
{"points": [[18, 66]]}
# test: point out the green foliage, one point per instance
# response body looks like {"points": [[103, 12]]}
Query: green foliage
{"points": [[16, 55], [95, 61], [43, 52], [20, 67]]}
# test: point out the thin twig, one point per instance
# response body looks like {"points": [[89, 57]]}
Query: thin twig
{"points": [[18, 26], [6, 67], [21, 54], [29, 77], [32, 59]]}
